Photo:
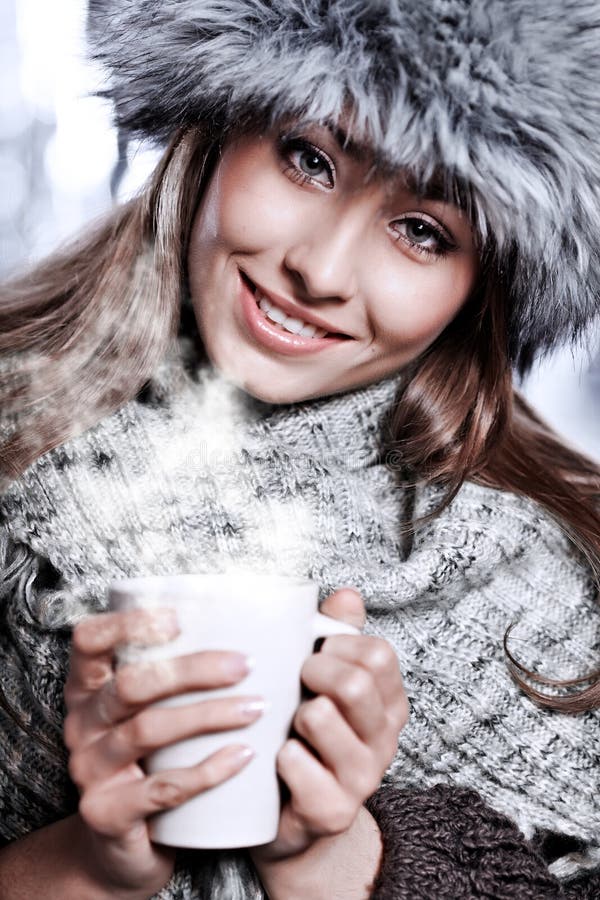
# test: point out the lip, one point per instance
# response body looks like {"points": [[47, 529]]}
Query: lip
{"points": [[269, 335], [295, 311]]}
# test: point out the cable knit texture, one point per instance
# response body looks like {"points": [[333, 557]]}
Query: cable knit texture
{"points": [[449, 845], [197, 476]]}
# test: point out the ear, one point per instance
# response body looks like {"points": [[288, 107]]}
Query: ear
{"points": [[345, 604]]}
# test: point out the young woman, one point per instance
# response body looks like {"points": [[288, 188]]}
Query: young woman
{"points": [[366, 216]]}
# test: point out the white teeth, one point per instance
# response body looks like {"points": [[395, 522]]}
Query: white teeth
{"points": [[295, 326], [277, 315]]}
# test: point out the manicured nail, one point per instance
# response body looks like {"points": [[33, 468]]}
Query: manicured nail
{"points": [[240, 754], [253, 707], [237, 665]]}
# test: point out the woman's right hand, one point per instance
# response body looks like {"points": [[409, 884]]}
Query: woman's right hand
{"points": [[110, 727]]}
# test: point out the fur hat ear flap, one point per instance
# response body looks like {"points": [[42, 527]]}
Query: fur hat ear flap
{"points": [[500, 95]]}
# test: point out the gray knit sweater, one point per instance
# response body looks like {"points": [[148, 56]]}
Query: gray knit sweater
{"points": [[194, 475]]}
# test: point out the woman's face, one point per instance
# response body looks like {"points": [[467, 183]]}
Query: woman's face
{"points": [[292, 227]]}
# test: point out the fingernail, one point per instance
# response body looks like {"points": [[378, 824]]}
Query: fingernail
{"points": [[253, 708], [237, 665], [240, 754]]}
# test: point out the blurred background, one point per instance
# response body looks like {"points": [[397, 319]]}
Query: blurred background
{"points": [[61, 166]]}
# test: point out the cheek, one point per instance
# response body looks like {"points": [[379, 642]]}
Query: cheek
{"points": [[415, 302], [246, 208]]}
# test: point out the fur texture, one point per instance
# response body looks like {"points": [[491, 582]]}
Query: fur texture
{"points": [[499, 96]]}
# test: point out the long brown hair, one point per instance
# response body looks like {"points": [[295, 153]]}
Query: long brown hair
{"points": [[460, 418], [91, 324], [83, 331]]}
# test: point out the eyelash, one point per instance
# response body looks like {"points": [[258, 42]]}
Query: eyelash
{"points": [[444, 244], [289, 145]]}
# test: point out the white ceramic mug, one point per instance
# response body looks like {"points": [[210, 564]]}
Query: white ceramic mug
{"points": [[273, 619]]}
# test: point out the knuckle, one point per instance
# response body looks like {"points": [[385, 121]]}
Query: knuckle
{"points": [[91, 811], [87, 810], [320, 710], [315, 714], [125, 684], [379, 656], [357, 687], [340, 816], [95, 676], [365, 783], [165, 794], [210, 772], [333, 815], [141, 731]]}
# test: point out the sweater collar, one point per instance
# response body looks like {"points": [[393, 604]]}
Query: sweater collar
{"points": [[350, 429]]}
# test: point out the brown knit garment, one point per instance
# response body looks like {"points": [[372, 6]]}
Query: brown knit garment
{"points": [[447, 844]]}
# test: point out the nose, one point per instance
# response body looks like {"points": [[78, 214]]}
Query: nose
{"points": [[324, 260]]}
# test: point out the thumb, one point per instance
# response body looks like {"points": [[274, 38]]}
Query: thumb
{"points": [[345, 604]]}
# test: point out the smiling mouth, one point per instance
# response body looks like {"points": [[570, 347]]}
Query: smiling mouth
{"points": [[285, 322]]}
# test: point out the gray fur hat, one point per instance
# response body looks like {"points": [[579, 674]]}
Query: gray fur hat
{"points": [[499, 97]]}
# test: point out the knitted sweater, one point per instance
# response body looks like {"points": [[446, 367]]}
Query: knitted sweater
{"points": [[194, 475]]}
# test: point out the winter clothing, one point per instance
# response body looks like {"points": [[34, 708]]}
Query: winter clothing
{"points": [[446, 844], [196, 475], [496, 98]]}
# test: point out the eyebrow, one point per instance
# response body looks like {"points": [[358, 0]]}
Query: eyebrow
{"points": [[354, 149], [436, 188], [348, 145]]}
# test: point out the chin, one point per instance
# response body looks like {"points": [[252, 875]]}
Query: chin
{"points": [[278, 394], [273, 393], [259, 388], [272, 386]]}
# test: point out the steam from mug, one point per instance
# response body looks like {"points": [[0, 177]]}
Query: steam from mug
{"points": [[272, 618]]}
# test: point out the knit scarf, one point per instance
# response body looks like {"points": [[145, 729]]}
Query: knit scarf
{"points": [[198, 476], [201, 477]]}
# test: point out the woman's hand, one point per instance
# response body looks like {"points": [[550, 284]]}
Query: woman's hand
{"points": [[109, 728], [348, 737]]}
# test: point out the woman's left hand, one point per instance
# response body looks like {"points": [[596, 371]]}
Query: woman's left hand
{"points": [[351, 732]]}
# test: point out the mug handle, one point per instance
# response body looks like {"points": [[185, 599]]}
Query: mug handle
{"points": [[323, 626]]}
